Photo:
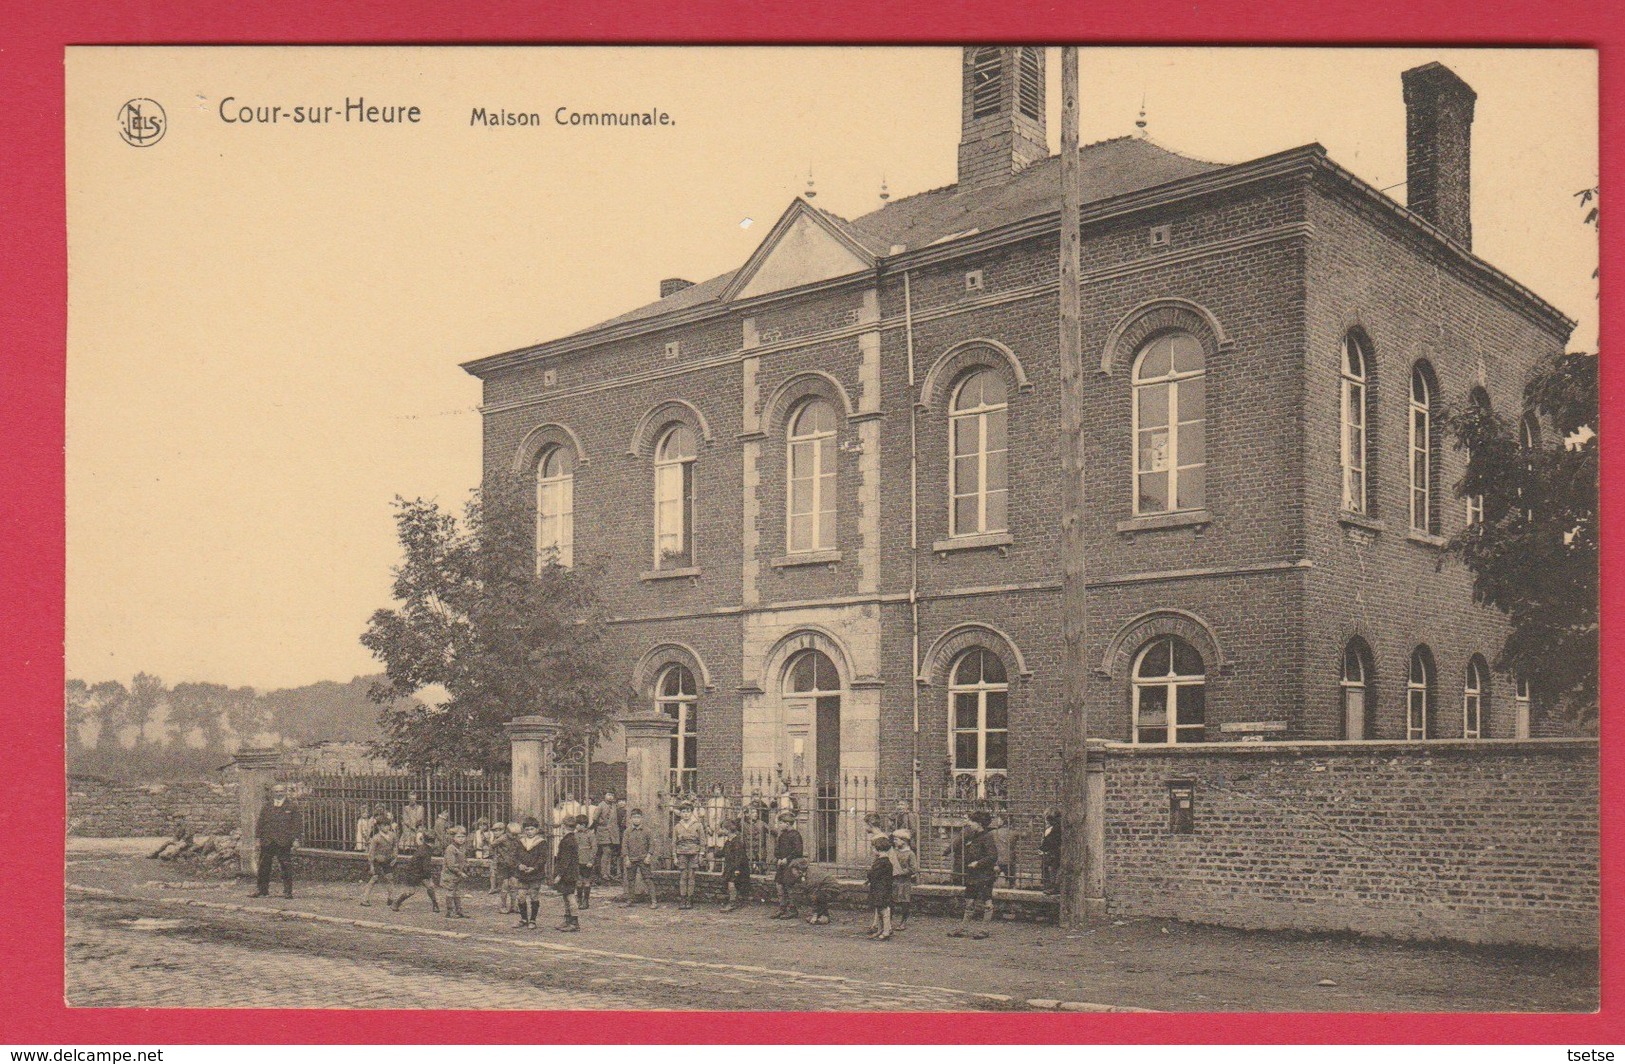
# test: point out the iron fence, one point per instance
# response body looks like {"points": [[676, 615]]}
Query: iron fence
{"points": [[837, 818], [336, 805]]}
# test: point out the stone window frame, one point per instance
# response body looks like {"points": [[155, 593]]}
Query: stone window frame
{"points": [[1176, 382], [938, 662], [687, 485], [1425, 410], [1171, 684], [651, 669], [1475, 503], [1350, 382], [533, 449], [1359, 648], [985, 782], [1475, 699], [983, 415], [1421, 694]]}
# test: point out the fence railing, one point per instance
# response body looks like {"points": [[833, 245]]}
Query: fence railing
{"points": [[333, 804], [837, 818]]}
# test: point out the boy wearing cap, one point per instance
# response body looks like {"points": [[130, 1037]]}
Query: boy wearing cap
{"points": [[380, 855], [735, 867], [908, 869], [637, 859], [787, 849], [979, 855], [586, 855], [567, 874], [688, 843], [453, 871], [530, 870]]}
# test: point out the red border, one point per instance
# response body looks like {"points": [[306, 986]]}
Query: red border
{"points": [[33, 314]]}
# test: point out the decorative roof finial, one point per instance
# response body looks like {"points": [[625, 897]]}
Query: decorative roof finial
{"points": [[811, 193], [885, 193], [1140, 123]]}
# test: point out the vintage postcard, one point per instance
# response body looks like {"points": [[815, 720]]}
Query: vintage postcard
{"points": [[880, 529]]}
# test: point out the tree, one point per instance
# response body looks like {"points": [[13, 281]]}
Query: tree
{"points": [[503, 635], [81, 710], [200, 706], [110, 701], [1534, 554], [244, 714], [147, 693]]}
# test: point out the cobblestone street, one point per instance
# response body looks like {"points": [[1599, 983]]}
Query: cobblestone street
{"points": [[141, 935]]}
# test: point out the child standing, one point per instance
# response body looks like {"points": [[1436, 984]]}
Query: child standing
{"points": [[1050, 849], [380, 857], [586, 860], [786, 851], [689, 847], [907, 871], [415, 870], [882, 873], [453, 872], [735, 867], [501, 864], [566, 874], [480, 840], [637, 859], [530, 870]]}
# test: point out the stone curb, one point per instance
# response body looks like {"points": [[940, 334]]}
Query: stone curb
{"points": [[411, 929]]}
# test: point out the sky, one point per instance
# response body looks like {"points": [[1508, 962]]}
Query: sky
{"points": [[266, 320]]}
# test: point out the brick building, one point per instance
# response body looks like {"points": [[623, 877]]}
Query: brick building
{"points": [[825, 486]]}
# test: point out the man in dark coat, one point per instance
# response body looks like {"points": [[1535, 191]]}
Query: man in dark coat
{"points": [[277, 828], [980, 856], [567, 872]]}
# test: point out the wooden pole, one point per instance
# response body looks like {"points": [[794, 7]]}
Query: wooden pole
{"points": [[1075, 857]]}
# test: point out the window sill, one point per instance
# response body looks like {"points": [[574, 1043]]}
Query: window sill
{"points": [[688, 572], [811, 557], [981, 541], [1365, 521], [1153, 522], [1427, 539]]}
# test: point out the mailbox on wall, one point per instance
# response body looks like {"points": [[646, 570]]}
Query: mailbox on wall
{"points": [[1181, 807]]}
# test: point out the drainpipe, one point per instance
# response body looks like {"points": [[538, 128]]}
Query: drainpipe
{"points": [[913, 528]]}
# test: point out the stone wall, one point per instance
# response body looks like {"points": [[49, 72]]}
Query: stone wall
{"points": [[101, 808], [1489, 842]]}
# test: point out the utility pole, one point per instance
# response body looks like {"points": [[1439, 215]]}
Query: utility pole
{"points": [[1076, 860]]}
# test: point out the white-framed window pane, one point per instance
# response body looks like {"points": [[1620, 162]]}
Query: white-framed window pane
{"points": [[826, 530], [1192, 488], [998, 518], [1192, 443], [1153, 493], [1153, 399], [801, 532]]}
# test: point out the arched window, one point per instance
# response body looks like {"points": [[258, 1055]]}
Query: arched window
{"points": [[979, 693], [1356, 367], [1170, 465], [1169, 692], [674, 498], [979, 478], [1419, 695], [555, 507], [811, 499], [1521, 703], [1356, 690], [677, 697], [986, 82], [1529, 442], [1032, 83], [1475, 699], [1423, 517]]}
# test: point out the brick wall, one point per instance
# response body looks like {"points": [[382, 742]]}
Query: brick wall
{"points": [[1488, 842], [99, 808]]}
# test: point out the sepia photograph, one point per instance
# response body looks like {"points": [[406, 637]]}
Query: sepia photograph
{"points": [[960, 529]]}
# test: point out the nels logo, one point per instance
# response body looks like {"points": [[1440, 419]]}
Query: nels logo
{"points": [[142, 123]]}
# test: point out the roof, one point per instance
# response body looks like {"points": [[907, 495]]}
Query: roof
{"points": [[1109, 168]]}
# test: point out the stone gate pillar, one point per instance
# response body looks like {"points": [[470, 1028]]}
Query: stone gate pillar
{"points": [[1094, 832], [648, 764], [256, 771], [532, 740]]}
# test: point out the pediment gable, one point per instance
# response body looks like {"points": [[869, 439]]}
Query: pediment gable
{"points": [[803, 247]]}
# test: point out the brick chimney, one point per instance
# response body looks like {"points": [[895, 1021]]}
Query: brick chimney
{"points": [[673, 284], [1001, 114], [1439, 149]]}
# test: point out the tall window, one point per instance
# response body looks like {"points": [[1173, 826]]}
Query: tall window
{"points": [[677, 698], [1422, 519], [1032, 83], [674, 498], [812, 691], [1355, 370], [978, 419], [1475, 695], [1529, 441], [1419, 695], [555, 507], [1479, 398], [1169, 693], [1356, 688], [812, 478], [1170, 465], [1521, 702], [987, 82], [980, 693]]}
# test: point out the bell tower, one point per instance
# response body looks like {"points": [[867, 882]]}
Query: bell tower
{"points": [[1001, 114]]}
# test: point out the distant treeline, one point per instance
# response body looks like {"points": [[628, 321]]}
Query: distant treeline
{"points": [[150, 728]]}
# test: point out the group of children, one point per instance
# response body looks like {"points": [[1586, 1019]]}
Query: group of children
{"points": [[522, 864]]}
